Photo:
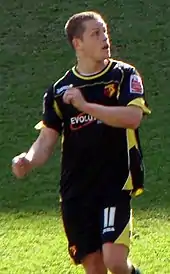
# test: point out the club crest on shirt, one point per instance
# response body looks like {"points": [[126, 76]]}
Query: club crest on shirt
{"points": [[136, 85], [73, 250], [109, 90]]}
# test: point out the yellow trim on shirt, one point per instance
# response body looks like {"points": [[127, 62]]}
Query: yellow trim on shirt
{"points": [[39, 125], [91, 77], [140, 102], [57, 110]]}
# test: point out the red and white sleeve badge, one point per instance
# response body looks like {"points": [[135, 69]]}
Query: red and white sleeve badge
{"points": [[136, 85]]}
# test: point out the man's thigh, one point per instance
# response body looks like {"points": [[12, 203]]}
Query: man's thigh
{"points": [[81, 219]]}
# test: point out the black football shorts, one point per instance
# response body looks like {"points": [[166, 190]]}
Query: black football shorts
{"points": [[91, 223]]}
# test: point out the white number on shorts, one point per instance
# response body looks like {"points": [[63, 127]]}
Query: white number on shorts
{"points": [[109, 219]]}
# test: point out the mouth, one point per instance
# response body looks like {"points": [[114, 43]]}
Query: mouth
{"points": [[106, 47]]}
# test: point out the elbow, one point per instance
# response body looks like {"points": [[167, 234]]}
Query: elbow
{"points": [[134, 125], [134, 118], [134, 122]]}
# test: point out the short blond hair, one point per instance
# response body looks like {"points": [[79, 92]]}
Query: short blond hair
{"points": [[75, 28]]}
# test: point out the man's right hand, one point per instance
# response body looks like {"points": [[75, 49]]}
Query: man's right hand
{"points": [[20, 165], [37, 155]]}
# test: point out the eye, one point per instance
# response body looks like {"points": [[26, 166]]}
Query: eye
{"points": [[97, 32]]}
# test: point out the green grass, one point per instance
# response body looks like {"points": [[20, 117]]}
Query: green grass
{"points": [[34, 53]]}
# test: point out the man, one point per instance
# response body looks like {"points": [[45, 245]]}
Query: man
{"points": [[97, 107]]}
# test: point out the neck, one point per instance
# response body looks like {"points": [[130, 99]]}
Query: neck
{"points": [[89, 66]]}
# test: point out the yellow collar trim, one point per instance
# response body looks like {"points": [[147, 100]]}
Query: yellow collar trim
{"points": [[91, 77]]}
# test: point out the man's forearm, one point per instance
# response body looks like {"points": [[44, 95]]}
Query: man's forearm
{"points": [[123, 117], [41, 149], [37, 155]]}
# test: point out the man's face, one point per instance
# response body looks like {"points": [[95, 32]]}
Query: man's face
{"points": [[95, 42]]}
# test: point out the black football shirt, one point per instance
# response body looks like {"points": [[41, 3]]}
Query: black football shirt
{"points": [[97, 159]]}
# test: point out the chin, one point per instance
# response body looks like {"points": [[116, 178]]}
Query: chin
{"points": [[102, 57], [106, 55]]}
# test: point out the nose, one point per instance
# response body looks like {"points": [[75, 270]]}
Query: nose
{"points": [[105, 36]]}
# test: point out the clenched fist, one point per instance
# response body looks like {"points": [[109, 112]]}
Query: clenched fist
{"points": [[74, 96], [20, 165]]}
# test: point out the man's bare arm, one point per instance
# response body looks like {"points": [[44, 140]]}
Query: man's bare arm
{"points": [[116, 116], [123, 117], [37, 155], [42, 148]]}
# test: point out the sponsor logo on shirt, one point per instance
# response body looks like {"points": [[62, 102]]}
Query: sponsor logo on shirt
{"points": [[80, 121], [61, 90], [136, 85]]}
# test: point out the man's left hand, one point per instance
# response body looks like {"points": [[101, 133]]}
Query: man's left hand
{"points": [[74, 96]]}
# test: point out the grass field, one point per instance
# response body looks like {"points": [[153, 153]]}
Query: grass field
{"points": [[34, 53]]}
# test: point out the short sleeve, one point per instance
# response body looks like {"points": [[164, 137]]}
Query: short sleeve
{"points": [[51, 115], [132, 91]]}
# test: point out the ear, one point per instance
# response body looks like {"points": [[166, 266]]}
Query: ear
{"points": [[77, 43]]}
